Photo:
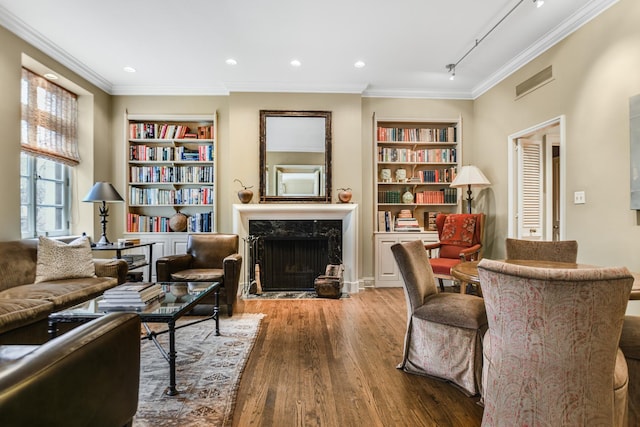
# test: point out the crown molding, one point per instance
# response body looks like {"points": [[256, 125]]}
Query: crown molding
{"points": [[568, 26], [577, 20], [31, 36]]}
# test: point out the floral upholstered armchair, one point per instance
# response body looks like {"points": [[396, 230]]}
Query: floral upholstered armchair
{"points": [[460, 239]]}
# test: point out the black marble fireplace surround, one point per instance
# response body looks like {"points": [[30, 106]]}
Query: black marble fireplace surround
{"points": [[292, 253]]}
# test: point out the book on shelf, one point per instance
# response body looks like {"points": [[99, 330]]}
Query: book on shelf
{"points": [[406, 224], [430, 221]]}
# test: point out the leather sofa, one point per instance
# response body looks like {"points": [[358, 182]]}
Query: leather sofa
{"points": [[87, 377], [25, 305]]}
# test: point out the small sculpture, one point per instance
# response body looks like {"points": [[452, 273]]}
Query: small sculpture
{"points": [[344, 195], [245, 195]]}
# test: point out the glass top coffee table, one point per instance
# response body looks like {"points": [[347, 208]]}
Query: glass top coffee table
{"points": [[179, 298]]}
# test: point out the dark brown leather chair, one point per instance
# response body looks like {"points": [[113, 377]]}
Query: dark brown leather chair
{"points": [[89, 376], [209, 258]]}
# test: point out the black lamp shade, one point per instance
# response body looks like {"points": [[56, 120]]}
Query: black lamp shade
{"points": [[103, 192]]}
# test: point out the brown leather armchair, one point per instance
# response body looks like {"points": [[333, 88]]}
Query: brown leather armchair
{"points": [[209, 258], [89, 376]]}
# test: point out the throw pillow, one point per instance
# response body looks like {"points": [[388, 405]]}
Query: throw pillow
{"points": [[458, 230], [58, 260]]}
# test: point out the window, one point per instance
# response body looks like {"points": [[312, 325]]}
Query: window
{"points": [[44, 197], [49, 149]]}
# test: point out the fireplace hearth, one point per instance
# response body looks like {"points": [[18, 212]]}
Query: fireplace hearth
{"points": [[292, 253]]}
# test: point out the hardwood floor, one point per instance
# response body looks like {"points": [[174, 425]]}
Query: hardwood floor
{"points": [[327, 362]]}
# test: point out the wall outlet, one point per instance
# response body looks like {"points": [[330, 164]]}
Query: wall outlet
{"points": [[579, 198]]}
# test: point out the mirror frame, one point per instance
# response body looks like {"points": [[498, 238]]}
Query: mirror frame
{"points": [[264, 114]]}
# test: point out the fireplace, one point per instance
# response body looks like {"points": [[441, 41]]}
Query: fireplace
{"points": [[292, 253], [346, 213]]}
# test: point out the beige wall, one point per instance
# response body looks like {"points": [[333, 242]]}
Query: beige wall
{"points": [[95, 138], [596, 71]]}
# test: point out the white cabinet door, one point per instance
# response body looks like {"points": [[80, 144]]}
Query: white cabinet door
{"points": [[386, 269]]}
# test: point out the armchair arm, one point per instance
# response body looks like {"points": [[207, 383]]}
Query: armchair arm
{"points": [[167, 265], [471, 254], [431, 246], [232, 265], [117, 268], [95, 367]]}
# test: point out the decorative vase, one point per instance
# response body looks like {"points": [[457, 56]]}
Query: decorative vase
{"points": [[344, 195], [385, 175], [178, 222], [407, 197], [401, 175], [245, 195]]}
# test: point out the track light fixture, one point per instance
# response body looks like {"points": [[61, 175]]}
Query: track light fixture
{"points": [[452, 67], [452, 70]]}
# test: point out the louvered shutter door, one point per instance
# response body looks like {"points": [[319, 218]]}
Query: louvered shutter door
{"points": [[530, 189]]}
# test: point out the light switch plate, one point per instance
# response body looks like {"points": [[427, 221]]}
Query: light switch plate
{"points": [[579, 198]]}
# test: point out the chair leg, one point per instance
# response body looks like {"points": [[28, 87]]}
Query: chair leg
{"points": [[441, 284], [229, 310]]}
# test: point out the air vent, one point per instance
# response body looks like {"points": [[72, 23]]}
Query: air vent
{"points": [[532, 83]]}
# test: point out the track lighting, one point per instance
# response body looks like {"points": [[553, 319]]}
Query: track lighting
{"points": [[452, 67], [452, 70]]}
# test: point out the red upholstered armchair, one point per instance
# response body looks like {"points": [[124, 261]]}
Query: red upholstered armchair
{"points": [[460, 239]]}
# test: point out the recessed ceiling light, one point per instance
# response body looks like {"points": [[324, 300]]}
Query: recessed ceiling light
{"points": [[50, 76], [295, 63], [359, 64], [129, 69], [231, 61]]}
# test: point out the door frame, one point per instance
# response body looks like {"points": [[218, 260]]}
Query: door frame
{"points": [[512, 141]]}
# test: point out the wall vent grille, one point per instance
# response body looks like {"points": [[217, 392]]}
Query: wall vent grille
{"points": [[532, 83]]}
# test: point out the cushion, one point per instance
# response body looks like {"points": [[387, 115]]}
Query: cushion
{"points": [[58, 260], [458, 230]]}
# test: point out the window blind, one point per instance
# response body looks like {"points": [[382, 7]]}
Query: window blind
{"points": [[49, 120]]}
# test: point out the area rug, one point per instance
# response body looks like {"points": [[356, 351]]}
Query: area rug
{"points": [[289, 295], [208, 371]]}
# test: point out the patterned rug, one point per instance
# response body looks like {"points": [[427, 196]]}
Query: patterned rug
{"points": [[208, 371]]}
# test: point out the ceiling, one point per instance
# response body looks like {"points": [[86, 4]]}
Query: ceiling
{"points": [[180, 47]]}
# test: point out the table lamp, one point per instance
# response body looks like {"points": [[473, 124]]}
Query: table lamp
{"points": [[103, 192], [470, 176]]}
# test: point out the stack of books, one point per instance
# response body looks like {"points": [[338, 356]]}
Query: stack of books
{"points": [[406, 224], [130, 296]]}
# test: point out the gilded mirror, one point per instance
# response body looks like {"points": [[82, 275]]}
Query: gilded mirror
{"points": [[295, 156]]}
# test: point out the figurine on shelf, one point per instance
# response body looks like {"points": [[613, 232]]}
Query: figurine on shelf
{"points": [[385, 175], [245, 195], [407, 197], [401, 175]]}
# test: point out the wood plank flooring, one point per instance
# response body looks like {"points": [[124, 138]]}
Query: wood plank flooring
{"points": [[322, 362]]}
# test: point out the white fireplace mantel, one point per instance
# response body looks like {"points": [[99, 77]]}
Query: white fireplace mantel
{"points": [[347, 212]]}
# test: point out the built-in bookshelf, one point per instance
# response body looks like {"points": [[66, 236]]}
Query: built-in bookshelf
{"points": [[171, 168], [415, 160]]}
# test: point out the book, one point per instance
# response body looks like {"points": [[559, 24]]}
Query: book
{"points": [[139, 293]]}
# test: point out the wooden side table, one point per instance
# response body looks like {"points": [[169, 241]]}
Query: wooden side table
{"points": [[118, 249], [467, 273]]}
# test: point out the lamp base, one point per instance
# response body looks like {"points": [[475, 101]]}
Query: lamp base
{"points": [[103, 241]]}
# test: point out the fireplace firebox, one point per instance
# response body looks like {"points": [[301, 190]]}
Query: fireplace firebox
{"points": [[292, 253]]}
